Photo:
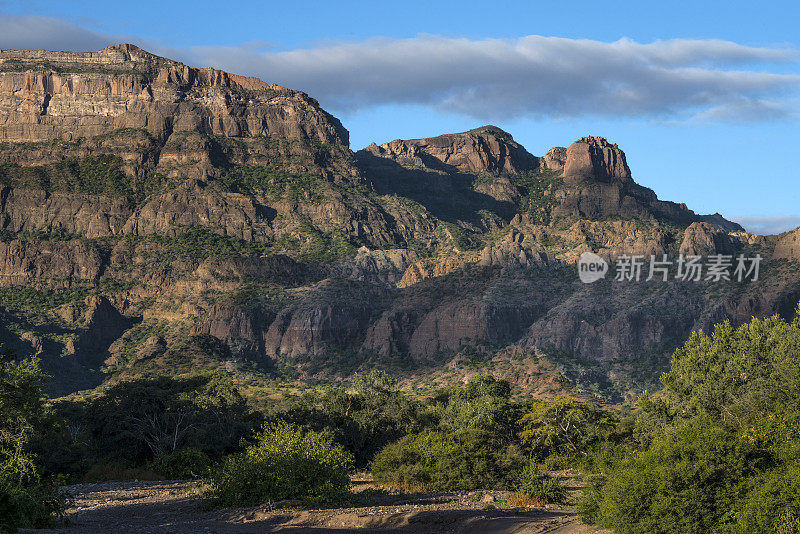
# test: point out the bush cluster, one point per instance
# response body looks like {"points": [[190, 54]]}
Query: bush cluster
{"points": [[28, 497], [284, 463], [717, 451]]}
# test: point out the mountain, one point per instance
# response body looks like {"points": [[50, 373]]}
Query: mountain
{"points": [[158, 218]]}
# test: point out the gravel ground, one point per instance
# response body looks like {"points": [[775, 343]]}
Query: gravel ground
{"points": [[177, 507]]}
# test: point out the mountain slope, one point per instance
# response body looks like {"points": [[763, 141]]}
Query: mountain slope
{"points": [[158, 218]]}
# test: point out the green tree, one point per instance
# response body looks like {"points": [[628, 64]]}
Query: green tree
{"points": [[137, 420], [26, 498], [565, 426], [466, 460], [736, 373], [484, 403], [719, 445], [362, 420]]}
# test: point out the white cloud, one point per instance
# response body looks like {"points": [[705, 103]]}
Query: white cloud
{"points": [[494, 79], [768, 225], [497, 79]]}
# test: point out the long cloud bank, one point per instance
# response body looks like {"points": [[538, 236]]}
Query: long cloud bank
{"points": [[497, 79], [536, 76], [768, 225]]}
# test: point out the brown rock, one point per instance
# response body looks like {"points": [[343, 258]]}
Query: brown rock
{"points": [[98, 92], [788, 245], [23, 209], [195, 204], [555, 158], [512, 250], [382, 266], [704, 239], [421, 270], [63, 262], [485, 149], [596, 158]]}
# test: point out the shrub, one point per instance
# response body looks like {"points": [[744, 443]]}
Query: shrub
{"points": [[565, 426], [483, 404], [541, 488], [27, 500], [183, 464], [284, 463], [737, 373], [132, 422], [554, 462], [588, 506], [687, 481], [773, 503], [363, 421], [461, 461]]}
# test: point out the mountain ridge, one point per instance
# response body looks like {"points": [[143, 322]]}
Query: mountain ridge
{"points": [[213, 220]]}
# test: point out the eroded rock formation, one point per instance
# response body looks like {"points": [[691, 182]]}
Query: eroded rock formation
{"points": [[157, 217]]}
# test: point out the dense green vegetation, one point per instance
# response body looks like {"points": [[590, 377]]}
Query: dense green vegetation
{"points": [[313, 246], [285, 462], [275, 184], [36, 299], [198, 242], [363, 419], [134, 422], [538, 188], [717, 451], [28, 498]]}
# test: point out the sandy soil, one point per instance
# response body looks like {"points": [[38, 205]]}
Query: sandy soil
{"points": [[177, 507]]}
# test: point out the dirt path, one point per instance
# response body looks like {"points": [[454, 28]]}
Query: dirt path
{"points": [[177, 507]]}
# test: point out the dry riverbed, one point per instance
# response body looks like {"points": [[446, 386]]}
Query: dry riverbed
{"points": [[177, 507]]}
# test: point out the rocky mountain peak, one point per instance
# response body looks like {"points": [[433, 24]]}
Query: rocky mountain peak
{"points": [[596, 158], [555, 158], [485, 149], [131, 52], [212, 219]]}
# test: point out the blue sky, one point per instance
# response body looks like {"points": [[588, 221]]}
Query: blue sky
{"points": [[702, 96]]}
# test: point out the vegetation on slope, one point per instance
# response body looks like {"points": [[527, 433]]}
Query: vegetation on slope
{"points": [[715, 451], [94, 175]]}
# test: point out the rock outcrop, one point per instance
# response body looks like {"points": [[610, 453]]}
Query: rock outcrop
{"points": [[485, 149], [194, 203], [29, 210], [705, 239], [599, 185], [555, 158], [596, 159], [512, 250], [56, 95], [59, 263], [156, 217], [787, 245]]}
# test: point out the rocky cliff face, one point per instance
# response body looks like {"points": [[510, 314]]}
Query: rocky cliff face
{"points": [[158, 218], [594, 158], [787, 245], [56, 95]]}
